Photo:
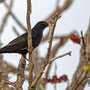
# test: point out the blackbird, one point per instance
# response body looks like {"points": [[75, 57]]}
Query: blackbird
{"points": [[20, 44]]}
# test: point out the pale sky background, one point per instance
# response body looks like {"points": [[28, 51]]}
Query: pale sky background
{"points": [[75, 18]]}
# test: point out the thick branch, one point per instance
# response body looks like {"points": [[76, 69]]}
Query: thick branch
{"points": [[29, 42], [20, 75]]}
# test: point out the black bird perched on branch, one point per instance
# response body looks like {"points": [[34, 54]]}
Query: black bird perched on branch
{"points": [[20, 44]]}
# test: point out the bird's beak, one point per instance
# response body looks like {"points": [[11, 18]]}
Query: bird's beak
{"points": [[50, 25]]}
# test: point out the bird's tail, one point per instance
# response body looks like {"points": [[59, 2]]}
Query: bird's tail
{"points": [[5, 50]]}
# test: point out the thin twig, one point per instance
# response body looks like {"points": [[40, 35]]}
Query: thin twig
{"points": [[15, 18], [57, 4], [16, 32], [6, 17], [55, 73], [10, 67], [66, 5], [61, 43], [68, 53], [83, 42]]}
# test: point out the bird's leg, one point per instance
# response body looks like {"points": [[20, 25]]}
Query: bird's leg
{"points": [[24, 56]]}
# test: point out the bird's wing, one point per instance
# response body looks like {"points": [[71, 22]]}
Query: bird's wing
{"points": [[34, 33], [19, 39], [22, 38]]}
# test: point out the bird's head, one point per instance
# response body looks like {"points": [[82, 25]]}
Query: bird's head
{"points": [[41, 25]]}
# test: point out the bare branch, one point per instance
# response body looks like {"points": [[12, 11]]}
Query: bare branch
{"points": [[68, 53], [6, 17], [80, 77], [20, 75], [16, 32], [29, 43], [2, 1], [60, 10], [15, 18], [48, 55]]}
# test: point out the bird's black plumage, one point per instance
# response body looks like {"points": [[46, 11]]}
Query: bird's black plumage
{"points": [[20, 44]]}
